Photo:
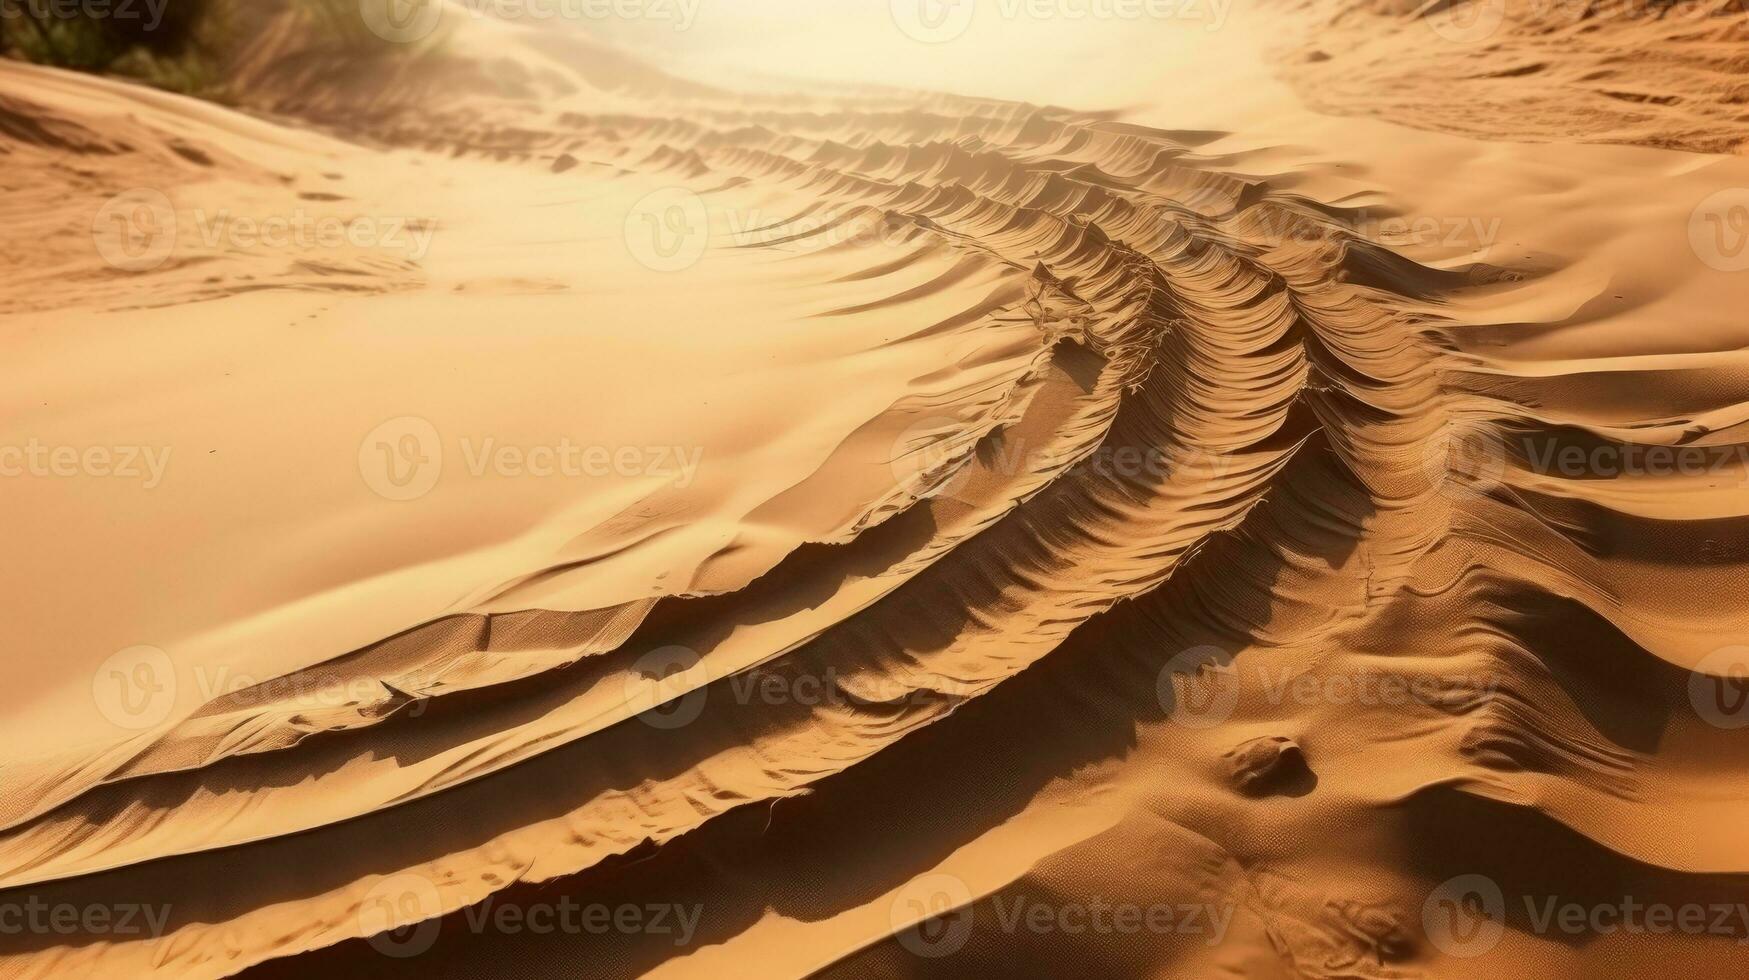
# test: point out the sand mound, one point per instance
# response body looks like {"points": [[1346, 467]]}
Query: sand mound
{"points": [[931, 524], [1652, 72]]}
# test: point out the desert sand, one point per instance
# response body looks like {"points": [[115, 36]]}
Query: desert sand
{"points": [[1254, 490]]}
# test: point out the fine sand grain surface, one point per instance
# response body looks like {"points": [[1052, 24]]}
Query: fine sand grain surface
{"points": [[1248, 489]]}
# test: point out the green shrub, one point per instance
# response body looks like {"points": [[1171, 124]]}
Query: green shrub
{"points": [[171, 42], [181, 45], [39, 32]]}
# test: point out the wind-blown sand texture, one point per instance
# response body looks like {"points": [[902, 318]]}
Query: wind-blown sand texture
{"points": [[1143, 496], [1663, 73]]}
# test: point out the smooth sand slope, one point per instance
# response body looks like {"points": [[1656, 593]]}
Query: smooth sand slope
{"points": [[833, 518]]}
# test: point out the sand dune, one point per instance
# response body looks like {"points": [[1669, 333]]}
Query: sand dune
{"points": [[903, 522], [1667, 73]]}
